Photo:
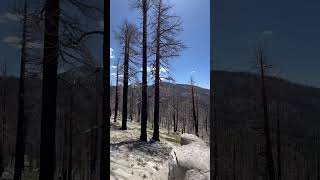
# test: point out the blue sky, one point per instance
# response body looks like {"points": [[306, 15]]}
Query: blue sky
{"points": [[289, 26], [9, 32], [196, 35], [195, 59]]}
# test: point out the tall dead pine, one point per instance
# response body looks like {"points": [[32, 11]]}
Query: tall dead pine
{"points": [[261, 61], [49, 90], [166, 26], [20, 147]]}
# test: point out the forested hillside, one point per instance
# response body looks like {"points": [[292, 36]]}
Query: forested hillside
{"points": [[239, 115]]}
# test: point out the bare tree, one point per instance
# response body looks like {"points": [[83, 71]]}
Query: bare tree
{"points": [[106, 111], [94, 134], [194, 111], [262, 65], [177, 116], [234, 162], [279, 158], [165, 46], [70, 135], [65, 141], [131, 99], [4, 116], [127, 36], [20, 144], [49, 90], [143, 6], [215, 160], [117, 93]]}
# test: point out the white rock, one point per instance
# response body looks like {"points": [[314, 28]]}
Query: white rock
{"points": [[191, 160]]}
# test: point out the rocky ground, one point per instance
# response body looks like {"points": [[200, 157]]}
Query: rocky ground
{"points": [[133, 160]]}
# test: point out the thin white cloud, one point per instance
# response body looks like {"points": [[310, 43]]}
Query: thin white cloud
{"points": [[111, 53], [149, 69], [164, 79], [192, 72], [114, 67], [11, 40], [113, 74], [267, 32], [7, 17], [162, 69], [16, 41], [12, 17]]}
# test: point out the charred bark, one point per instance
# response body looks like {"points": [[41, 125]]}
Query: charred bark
{"points": [[144, 92], [20, 146], [49, 90]]}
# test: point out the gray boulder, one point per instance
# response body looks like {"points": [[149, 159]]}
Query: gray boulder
{"points": [[191, 160], [189, 139]]}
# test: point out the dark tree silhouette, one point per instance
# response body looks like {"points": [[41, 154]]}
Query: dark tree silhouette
{"points": [[261, 60], [177, 116], [234, 162], [116, 93], [127, 36], [165, 46], [20, 144], [94, 134], [143, 6], [279, 158], [106, 111], [3, 117], [65, 141], [215, 160], [70, 136], [194, 111], [144, 93], [49, 90]]}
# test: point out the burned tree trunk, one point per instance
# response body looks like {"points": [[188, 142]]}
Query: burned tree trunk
{"points": [[174, 114], [177, 117], [279, 144], [70, 136], [49, 90], [125, 86], [127, 37], [94, 133], [20, 146], [166, 46], [131, 105], [144, 92], [155, 136], [116, 95], [268, 149], [215, 144], [195, 118], [3, 118], [65, 143], [234, 162], [105, 136]]}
